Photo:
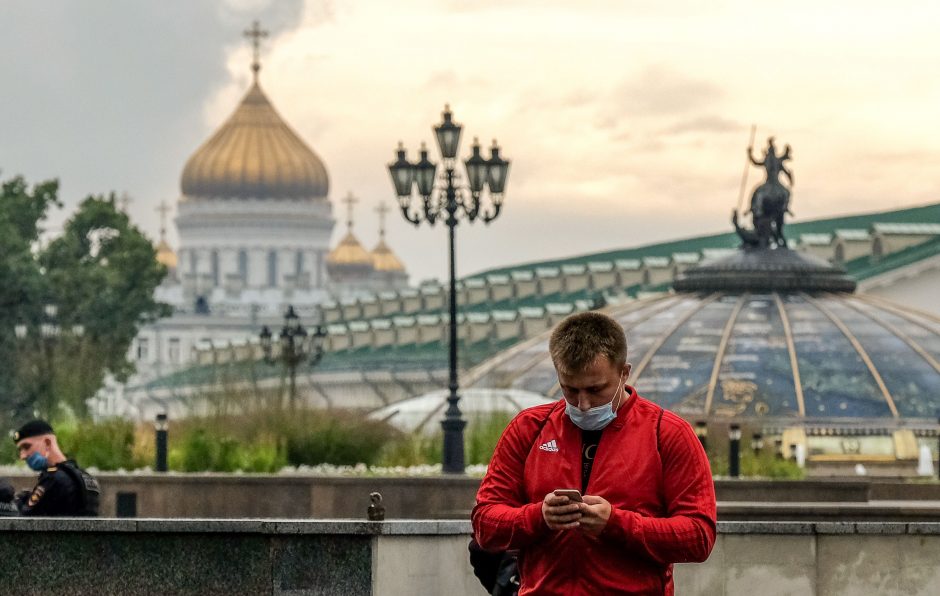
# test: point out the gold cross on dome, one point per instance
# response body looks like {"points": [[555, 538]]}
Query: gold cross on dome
{"points": [[255, 34], [163, 209], [350, 200], [382, 210]]}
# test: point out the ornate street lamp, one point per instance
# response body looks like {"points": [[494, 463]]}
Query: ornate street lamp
{"points": [[296, 346], [455, 202]]}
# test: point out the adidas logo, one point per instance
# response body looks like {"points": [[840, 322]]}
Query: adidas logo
{"points": [[549, 446]]}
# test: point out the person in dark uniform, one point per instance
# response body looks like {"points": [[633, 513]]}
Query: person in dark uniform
{"points": [[63, 488]]}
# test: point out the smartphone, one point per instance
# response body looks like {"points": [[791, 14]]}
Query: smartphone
{"points": [[572, 494]]}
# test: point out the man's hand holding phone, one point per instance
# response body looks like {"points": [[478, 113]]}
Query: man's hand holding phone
{"points": [[561, 509], [595, 511]]}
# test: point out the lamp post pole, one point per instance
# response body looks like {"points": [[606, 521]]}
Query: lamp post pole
{"points": [[450, 200], [161, 438], [734, 455], [701, 431], [296, 346]]}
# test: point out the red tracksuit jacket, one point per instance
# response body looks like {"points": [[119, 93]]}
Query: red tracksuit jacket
{"points": [[663, 501]]}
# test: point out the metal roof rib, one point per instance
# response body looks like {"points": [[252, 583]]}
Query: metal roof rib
{"points": [[720, 352], [885, 393], [897, 332], [791, 349]]}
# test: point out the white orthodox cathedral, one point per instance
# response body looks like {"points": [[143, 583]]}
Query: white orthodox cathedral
{"points": [[254, 220]]}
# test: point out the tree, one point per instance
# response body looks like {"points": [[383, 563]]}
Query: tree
{"points": [[101, 273], [22, 211]]}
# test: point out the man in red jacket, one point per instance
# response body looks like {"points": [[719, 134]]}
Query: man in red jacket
{"points": [[648, 497]]}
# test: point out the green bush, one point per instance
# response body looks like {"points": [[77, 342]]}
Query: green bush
{"points": [[764, 465], [264, 458], [8, 453], [480, 438], [482, 434], [106, 445], [203, 450], [413, 450], [768, 465], [270, 439], [335, 437]]}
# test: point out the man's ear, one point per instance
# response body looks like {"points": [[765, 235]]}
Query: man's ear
{"points": [[627, 368]]}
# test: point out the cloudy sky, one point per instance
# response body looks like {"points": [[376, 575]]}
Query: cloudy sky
{"points": [[626, 120]]}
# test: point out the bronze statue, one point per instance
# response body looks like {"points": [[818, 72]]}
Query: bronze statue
{"points": [[770, 201]]}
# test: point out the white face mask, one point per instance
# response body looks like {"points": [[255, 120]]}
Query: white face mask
{"points": [[598, 417]]}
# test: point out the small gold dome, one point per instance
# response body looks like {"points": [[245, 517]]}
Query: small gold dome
{"points": [[255, 155], [165, 255], [383, 259], [349, 253]]}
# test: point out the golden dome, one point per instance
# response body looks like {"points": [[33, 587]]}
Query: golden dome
{"points": [[349, 252], [165, 255], [383, 259], [255, 154]]}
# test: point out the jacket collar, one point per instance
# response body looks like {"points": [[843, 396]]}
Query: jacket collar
{"points": [[624, 409]]}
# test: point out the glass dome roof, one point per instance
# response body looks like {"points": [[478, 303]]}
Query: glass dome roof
{"points": [[767, 355], [425, 412]]}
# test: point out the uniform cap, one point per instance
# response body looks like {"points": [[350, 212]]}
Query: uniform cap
{"points": [[33, 428]]}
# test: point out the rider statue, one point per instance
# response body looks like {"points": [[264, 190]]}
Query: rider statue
{"points": [[770, 201]]}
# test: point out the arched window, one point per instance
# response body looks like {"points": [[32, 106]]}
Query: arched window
{"points": [[243, 265], [840, 253], [272, 269]]}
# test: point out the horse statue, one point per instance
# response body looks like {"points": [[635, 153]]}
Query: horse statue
{"points": [[771, 200]]}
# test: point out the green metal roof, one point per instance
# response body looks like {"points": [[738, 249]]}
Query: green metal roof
{"points": [[427, 356], [927, 214], [866, 267]]}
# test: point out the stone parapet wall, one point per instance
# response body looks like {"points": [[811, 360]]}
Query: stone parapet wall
{"points": [[351, 558]]}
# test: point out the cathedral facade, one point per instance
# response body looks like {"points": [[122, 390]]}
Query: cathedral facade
{"points": [[254, 222]]}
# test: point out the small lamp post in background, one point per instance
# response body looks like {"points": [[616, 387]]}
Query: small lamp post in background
{"points": [[701, 431], [757, 443], [450, 202], [296, 346], [734, 451], [161, 428]]}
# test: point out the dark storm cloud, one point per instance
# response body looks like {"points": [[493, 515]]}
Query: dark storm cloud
{"points": [[109, 95]]}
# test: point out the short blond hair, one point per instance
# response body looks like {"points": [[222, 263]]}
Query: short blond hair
{"points": [[578, 340]]}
